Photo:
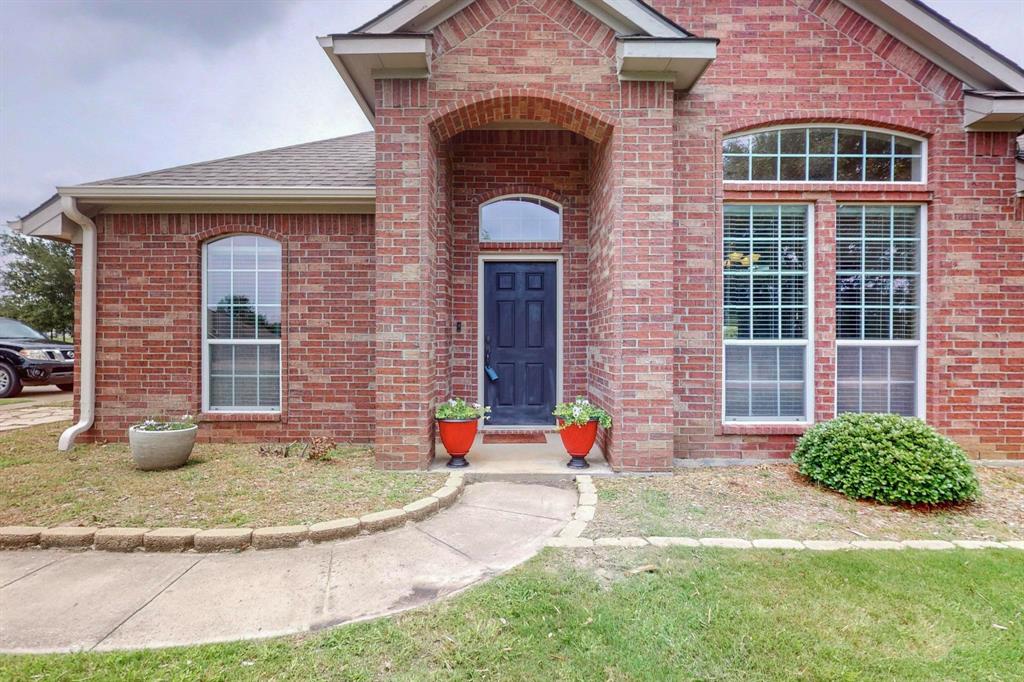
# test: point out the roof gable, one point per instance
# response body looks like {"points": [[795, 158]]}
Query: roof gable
{"points": [[625, 17], [943, 43]]}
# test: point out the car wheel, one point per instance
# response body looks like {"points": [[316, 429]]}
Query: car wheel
{"points": [[10, 384], [66, 387]]}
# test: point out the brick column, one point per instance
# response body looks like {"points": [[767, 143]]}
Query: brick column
{"points": [[643, 281], [404, 366], [823, 269]]}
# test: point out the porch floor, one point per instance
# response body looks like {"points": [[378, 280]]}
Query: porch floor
{"points": [[519, 458]]}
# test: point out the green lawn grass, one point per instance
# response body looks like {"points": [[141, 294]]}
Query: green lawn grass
{"points": [[773, 500], [689, 614]]}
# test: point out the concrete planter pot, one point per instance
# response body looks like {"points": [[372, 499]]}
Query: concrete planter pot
{"points": [[155, 450]]}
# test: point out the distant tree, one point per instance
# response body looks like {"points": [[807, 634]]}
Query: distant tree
{"points": [[37, 283]]}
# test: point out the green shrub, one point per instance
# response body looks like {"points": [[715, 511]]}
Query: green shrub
{"points": [[885, 457]]}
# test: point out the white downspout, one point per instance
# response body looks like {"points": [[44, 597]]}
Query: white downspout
{"points": [[87, 340]]}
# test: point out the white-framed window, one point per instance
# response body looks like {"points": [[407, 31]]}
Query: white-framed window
{"points": [[241, 325], [880, 311], [520, 218], [768, 313], [823, 154]]}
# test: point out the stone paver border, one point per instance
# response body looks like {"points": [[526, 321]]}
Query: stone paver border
{"points": [[576, 542], [586, 506], [116, 539]]}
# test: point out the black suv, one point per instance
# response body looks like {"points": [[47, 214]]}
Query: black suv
{"points": [[29, 358]]}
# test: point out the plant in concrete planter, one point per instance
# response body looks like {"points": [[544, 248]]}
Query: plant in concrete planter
{"points": [[162, 444], [577, 425], [457, 421]]}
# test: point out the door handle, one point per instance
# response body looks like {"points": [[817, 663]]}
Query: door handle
{"points": [[488, 370]]}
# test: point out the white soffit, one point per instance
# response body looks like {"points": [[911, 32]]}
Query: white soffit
{"points": [[680, 61], [955, 50], [361, 57], [48, 221], [994, 111]]}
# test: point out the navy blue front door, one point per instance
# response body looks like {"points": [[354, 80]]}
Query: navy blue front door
{"points": [[520, 342]]}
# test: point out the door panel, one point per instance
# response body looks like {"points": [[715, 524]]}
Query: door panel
{"points": [[520, 341]]}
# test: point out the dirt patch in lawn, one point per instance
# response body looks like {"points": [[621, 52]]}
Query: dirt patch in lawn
{"points": [[773, 500], [222, 485]]}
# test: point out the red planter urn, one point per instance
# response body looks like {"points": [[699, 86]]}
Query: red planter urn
{"points": [[457, 436], [578, 440]]}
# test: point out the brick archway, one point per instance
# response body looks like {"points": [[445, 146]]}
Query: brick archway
{"points": [[521, 104]]}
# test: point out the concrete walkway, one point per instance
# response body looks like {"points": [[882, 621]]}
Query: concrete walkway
{"points": [[52, 601]]}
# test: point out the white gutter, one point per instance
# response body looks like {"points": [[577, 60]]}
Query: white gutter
{"points": [[87, 333], [218, 192]]}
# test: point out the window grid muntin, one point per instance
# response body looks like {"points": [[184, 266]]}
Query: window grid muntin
{"points": [[862, 273], [888, 383], [780, 275], [916, 160], [777, 341], [918, 342], [261, 247]]}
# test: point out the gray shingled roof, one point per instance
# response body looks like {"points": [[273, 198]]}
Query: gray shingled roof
{"points": [[338, 162]]}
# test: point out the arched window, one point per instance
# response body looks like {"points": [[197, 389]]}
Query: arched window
{"points": [[823, 154], [520, 219], [242, 324]]}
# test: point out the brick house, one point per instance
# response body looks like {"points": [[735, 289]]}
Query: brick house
{"points": [[721, 220]]}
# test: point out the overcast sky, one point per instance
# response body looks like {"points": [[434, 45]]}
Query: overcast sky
{"points": [[91, 90]]}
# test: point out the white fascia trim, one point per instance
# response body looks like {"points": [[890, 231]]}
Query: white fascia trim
{"points": [[364, 100], [682, 62], [361, 44], [1000, 114], [49, 222], [629, 17], [225, 193], [972, 63], [626, 17], [403, 14], [361, 58]]}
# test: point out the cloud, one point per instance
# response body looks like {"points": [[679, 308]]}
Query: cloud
{"points": [[96, 90], [208, 23]]}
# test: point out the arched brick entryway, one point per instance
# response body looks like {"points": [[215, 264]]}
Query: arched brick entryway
{"points": [[521, 104], [625, 250]]}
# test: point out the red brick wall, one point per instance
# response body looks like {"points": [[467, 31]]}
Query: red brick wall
{"points": [[815, 60], [488, 164], [148, 324], [653, 192]]}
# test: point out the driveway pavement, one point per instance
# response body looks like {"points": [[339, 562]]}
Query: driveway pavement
{"points": [[36, 405], [52, 601]]}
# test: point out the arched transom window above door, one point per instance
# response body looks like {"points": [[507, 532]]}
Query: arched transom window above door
{"points": [[823, 154], [520, 218]]}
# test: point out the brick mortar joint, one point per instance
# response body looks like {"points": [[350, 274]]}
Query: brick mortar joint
{"points": [[33, 534]]}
